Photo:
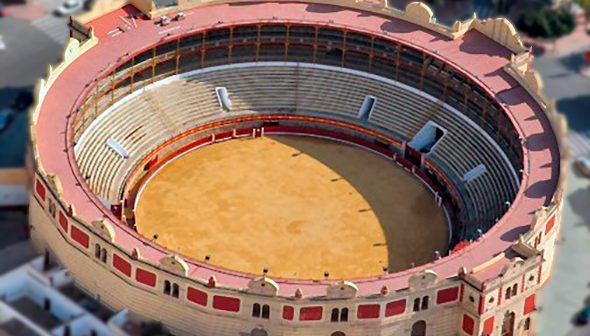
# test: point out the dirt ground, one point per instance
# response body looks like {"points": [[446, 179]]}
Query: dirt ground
{"points": [[297, 205]]}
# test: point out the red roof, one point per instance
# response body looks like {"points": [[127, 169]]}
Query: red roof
{"points": [[474, 53]]}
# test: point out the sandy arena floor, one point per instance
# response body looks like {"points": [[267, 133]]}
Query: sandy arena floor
{"points": [[297, 205]]}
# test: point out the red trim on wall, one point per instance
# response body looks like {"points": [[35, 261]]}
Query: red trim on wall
{"points": [[310, 313], [63, 221], [288, 313], [121, 265], [550, 224], [80, 236], [540, 272], [522, 283], [40, 189], [500, 295], [468, 324], [368, 311], [197, 296], [226, 303], [447, 295], [461, 290], [395, 308], [145, 277], [529, 304], [488, 326], [481, 304]]}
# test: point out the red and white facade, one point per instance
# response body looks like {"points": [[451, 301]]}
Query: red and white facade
{"points": [[486, 288]]}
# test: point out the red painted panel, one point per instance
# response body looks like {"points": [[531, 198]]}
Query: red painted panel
{"points": [[447, 295], [310, 313], [288, 313], [40, 189], [550, 224], [145, 277], [395, 308], [79, 236], [121, 265], [368, 311], [63, 221], [196, 296], [468, 324], [488, 326], [529, 304], [226, 303]]}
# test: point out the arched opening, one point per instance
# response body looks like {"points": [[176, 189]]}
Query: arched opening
{"points": [[344, 315], [338, 333], [334, 315], [507, 296], [103, 255], [175, 290], [514, 289], [416, 304], [265, 311], [167, 287], [97, 251], [419, 328], [425, 303], [527, 324], [258, 332], [256, 310], [508, 324]]}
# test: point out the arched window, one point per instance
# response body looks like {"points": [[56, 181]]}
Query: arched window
{"points": [[507, 296], [527, 323], [175, 290], [514, 289], [425, 303], [416, 304], [167, 287], [344, 315], [338, 333], [103, 255], [256, 310], [97, 251], [419, 329], [265, 312], [334, 315]]}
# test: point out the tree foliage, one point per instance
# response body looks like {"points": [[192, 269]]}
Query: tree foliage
{"points": [[546, 22]]}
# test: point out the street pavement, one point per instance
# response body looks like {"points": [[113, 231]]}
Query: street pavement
{"points": [[569, 288]]}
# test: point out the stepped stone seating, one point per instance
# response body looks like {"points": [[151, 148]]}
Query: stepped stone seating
{"points": [[144, 121]]}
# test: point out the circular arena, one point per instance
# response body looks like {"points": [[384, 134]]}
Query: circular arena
{"points": [[299, 168]]}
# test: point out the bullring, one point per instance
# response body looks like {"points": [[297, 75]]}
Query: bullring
{"points": [[458, 108]]}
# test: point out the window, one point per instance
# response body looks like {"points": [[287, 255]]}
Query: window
{"points": [[167, 287], [514, 289], [424, 303], [103, 255], [416, 304], [261, 311], [507, 296], [335, 315], [256, 310], [527, 323], [175, 290], [344, 315], [266, 311], [97, 251], [339, 315]]}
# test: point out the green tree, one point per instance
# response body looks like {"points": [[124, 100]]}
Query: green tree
{"points": [[585, 4], [546, 22]]}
